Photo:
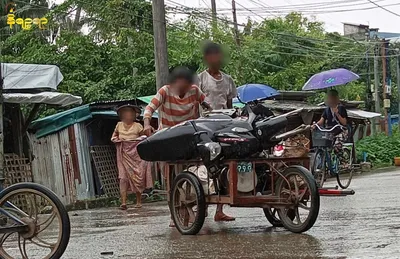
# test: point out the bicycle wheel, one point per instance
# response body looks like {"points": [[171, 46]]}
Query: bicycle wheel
{"points": [[319, 167], [48, 227], [345, 172]]}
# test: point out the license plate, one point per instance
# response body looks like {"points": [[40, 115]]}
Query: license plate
{"points": [[244, 167]]}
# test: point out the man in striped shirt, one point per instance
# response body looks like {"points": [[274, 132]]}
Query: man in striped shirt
{"points": [[177, 102]]}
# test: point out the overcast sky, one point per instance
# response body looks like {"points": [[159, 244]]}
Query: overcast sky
{"points": [[328, 11]]}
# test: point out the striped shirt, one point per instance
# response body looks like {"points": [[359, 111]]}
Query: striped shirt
{"points": [[172, 109]]}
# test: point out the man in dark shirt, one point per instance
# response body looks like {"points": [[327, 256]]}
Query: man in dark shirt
{"points": [[335, 113]]}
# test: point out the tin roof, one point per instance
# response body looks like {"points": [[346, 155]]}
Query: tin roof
{"points": [[291, 105], [61, 120]]}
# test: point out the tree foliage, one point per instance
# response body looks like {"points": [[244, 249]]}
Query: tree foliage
{"points": [[380, 149], [106, 52]]}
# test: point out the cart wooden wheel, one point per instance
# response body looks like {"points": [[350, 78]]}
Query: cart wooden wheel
{"points": [[188, 205], [300, 189], [272, 216]]}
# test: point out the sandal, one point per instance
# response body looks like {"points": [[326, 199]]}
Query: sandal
{"points": [[137, 206], [220, 217], [123, 207]]}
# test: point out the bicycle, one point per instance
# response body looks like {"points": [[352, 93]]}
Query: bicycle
{"points": [[332, 158], [33, 223]]}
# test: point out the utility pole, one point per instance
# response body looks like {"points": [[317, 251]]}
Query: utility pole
{"points": [[376, 88], [214, 15], [160, 43], [386, 101], [388, 87], [398, 81], [235, 24], [368, 89], [376, 81], [1, 126]]}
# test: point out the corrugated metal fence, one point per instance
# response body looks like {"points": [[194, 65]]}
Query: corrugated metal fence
{"points": [[62, 163]]}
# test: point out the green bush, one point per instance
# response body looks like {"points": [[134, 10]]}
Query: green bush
{"points": [[380, 148]]}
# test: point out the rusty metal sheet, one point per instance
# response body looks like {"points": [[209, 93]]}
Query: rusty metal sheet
{"points": [[67, 163], [85, 188], [46, 165], [62, 163]]}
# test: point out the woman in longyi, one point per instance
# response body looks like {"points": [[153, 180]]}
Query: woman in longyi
{"points": [[134, 173]]}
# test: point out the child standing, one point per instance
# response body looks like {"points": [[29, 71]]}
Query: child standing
{"points": [[219, 89], [134, 173]]}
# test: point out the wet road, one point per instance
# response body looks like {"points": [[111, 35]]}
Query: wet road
{"points": [[366, 225]]}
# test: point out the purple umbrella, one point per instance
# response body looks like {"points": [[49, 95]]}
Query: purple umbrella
{"points": [[330, 78]]}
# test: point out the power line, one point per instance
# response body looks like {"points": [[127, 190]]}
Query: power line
{"points": [[383, 8], [206, 16], [250, 11], [272, 51], [263, 5], [322, 12], [320, 5]]}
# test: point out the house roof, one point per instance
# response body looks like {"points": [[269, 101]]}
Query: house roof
{"points": [[291, 105], [52, 98], [53, 123], [385, 35], [30, 77]]}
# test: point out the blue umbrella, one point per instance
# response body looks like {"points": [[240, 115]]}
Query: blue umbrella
{"points": [[253, 92]]}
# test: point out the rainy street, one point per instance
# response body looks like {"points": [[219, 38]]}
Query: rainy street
{"points": [[366, 225]]}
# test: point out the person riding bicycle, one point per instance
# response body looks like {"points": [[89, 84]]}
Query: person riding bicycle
{"points": [[334, 114]]}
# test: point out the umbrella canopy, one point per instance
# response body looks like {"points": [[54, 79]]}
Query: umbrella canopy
{"points": [[253, 92], [330, 78]]}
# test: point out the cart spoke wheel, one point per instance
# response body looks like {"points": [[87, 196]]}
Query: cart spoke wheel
{"points": [[285, 191], [46, 222], [182, 194], [187, 203], [272, 216], [296, 188], [304, 207], [297, 215], [274, 212], [300, 190]]}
